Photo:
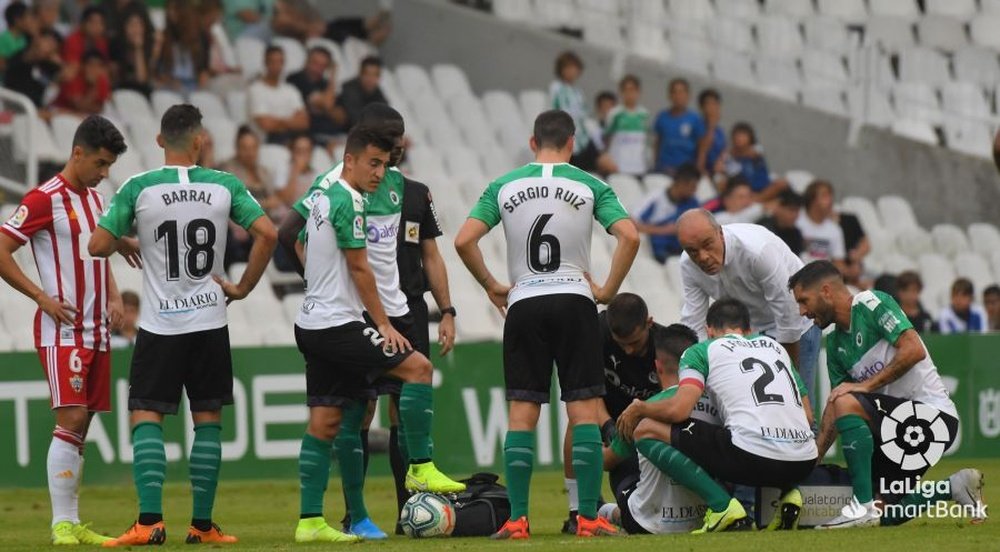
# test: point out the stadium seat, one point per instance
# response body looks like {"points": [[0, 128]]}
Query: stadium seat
{"points": [[799, 179], [426, 163], [628, 189], [598, 30], [823, 68], [735, 33], [983, 31], [44, 143], [236, 105], [893, 33], [778, 38], [354, 51], [975, 267], [923, 65], [740, 9], [692, 55], [848, 11], [942, 32], [132, 104], [514, 10], [64, 125], [918, 131], [903, 9], [733, 67], [163, 100], [978, 65], [917, 101], [532, 103], [250, 52], [779, 74], [827, 34], [798, 9], [995, 262], [469, 116], [649, 41], [865, 210], [894, 263], [321, 160], [556, 14], [295, 54], [450, 81], [896, 213], [989, 7], [871, 105], [462, 164], [969, 136], [208, 103], [984, 238], [414, 79], [223, 133], [828, 99], [937, 271], [679, 9], [961, 9], [949, 240], [964, 99], [128, 165], [277, 158]]}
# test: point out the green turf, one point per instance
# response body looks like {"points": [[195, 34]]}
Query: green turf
{"points": [[263, 516]]}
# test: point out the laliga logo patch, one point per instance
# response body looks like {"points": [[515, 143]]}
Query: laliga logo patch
{"points": [[19, 216], [76, 382], [359, 227], [913, 436]]}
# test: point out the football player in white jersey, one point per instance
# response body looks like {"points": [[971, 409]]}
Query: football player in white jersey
{"points": [[765, 441], [547, 209]]}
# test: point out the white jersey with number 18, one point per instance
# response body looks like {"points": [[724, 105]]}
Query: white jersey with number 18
{"points": [[546, 210]]}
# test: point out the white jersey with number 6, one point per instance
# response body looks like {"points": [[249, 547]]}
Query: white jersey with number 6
{"points": [[547, 211], [758, 393]]}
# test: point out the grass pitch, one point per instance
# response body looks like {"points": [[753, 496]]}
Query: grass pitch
{"points": [[263, 515]]}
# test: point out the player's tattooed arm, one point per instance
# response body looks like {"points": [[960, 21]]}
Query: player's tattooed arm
{"points": [[909, 351], [827, 433]]}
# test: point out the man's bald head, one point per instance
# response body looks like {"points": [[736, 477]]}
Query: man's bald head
{"points": [[700, 235]]}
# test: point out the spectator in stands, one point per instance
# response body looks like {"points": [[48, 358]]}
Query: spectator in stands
{"points": [[907, 294], [676, 130], [47, 14], [745, 157], [626, 128], [301, 172], [33, 69], [374, 29], [298, 19], [360, 91], [21, 25], [117, 11], [135, 49], [317, 84], [711, 135], [223, 67], [124, 337], [249, 18], [737, 203], [259, 181], [276, 107], [991, 300], [87, 92], [823, 238], [855, 240], [183, 61], [604, 102], [657, 215], [91, 35], [783, 219], [567, 96], [962, 315]]}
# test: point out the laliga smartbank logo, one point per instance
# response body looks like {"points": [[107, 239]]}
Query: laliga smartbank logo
{"points": [[913, 435]]}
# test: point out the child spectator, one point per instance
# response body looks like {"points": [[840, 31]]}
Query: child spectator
{"points": [[91, 35], [737, 203], [565, 95], [87, 92], [783, 219], [604, 102], [745, 157], [991, 300], [21, 25], [657, 214], [711, 135], [908, 288], [628, 123], [676, 130], [962, 315]]}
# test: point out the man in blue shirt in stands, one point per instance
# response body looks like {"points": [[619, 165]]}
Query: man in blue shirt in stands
{"points": [[677, 130], [657, 215]]}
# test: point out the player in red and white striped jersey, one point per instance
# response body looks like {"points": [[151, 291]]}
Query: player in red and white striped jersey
{"points": [[77, 303]]}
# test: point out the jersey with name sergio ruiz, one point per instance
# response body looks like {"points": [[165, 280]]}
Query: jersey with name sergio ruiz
{"points": [[546, 210], [757, 391], [383, 212], [182, 216], [865, 349]]}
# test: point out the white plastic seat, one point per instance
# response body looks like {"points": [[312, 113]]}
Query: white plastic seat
{"points": [[969, 136], [533, 102], [916, 130], [914, 241], [823, 68], [223, 133], [462, 164], [295, 54], [64, 125], [740, 9], [923, 65], [208, 103], [680, 9], [871, 105], [414, 79], [426, 163], [355, 50], [733, 67], [163, 100], [236, 105], [628, 189], [798, 9], [848, 11], [829, 99], [778, 37], [450, 81], [962, 9], [514, 10], [949, 240], [975, 267], [983, 30], [984, 238], [128, 165], [894, 263], [556, 14], [597, 29], [865, 210], [896, 212], [978, 65], [133, 104], [734, 33], [827, 34], [918, 101], [903, 9], [964, 98], [692, 55], [778, 73], [989, 7], [250, 53], [648, 41], [893, 33], [321, 160], [943, 32], [277, 158]]}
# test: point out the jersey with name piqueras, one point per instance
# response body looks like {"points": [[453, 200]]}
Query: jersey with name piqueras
{"points": [[182, 215], [546, 210]]}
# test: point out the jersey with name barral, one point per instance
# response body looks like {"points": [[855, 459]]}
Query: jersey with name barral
{"points": [[383, 210], [546, 210], [757, 391], [659, 504], [336, 222], [864, 350], [182, 215]]}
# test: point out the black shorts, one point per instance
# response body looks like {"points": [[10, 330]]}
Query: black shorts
{"points": [[342, 362], [624, 472], [199, 362], [560, 328], [587, 159], [891, 420], [624, 489], [409, 326], [711, 447]]}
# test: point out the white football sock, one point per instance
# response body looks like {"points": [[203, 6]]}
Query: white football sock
{"points": [[64, 464], [573, 493]]}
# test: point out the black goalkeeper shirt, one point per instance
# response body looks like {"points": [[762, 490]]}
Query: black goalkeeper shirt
{"points": [[626, 377], [418, 222]]}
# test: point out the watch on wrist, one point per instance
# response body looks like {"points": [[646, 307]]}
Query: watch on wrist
{"points": [[449, 310]]}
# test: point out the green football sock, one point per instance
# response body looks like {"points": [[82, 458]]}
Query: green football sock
{"points": [[918, 504], [416, 412], [588, 463], [681, 469], [206, 457], [857, 443], [149, 465], [351, 457], [518, 459], [314, 472]]}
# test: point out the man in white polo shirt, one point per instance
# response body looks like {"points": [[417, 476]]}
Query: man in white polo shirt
{"points": [[749, 263], [276, 108]]}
